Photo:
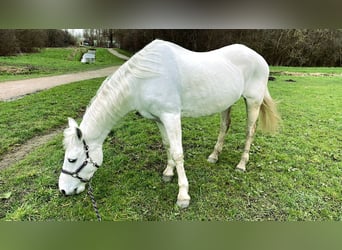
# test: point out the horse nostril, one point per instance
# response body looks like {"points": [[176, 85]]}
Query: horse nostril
{"points": [[63, 192]]}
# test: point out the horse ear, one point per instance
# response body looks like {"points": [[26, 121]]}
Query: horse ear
{"points": [[72, 123], [79, 133]]}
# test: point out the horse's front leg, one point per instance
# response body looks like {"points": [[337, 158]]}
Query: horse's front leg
{"points": [[168, 172], [172, 125]]}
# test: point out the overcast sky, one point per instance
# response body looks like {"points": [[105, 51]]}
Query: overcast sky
{"points": [[76, 32]]}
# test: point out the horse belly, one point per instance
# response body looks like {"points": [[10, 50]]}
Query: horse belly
{"points": [[202, 96]]}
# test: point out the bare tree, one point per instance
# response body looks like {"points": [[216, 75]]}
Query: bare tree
{"points": [[31, 40], [8, 43]]}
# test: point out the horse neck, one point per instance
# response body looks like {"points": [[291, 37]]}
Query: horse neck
{"points": [[112, 102]]}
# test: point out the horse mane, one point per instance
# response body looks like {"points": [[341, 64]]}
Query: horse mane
{"points": [[106, 106]]}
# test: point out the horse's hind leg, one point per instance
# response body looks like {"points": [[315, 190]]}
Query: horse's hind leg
{"points": [[225, 123], [253, 108], [168, 172]]}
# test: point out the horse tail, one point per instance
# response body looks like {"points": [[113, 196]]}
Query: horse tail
{"points": [[269, 116]]}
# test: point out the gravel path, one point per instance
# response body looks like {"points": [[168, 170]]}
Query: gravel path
{"points": [[12, 90]]}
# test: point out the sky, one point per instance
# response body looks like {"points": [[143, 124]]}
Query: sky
{"points": [[76, 32]]}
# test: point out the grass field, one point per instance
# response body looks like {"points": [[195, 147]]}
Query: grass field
{"points": [[42, 112], [323, 70], [292, 176], [52, 61]]}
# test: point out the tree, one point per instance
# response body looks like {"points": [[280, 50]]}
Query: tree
{"points": [[31, 40], [27, 41], [59, 38], [8, 43]]}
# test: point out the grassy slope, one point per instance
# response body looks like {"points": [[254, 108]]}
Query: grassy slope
{"points": [[124, 52], [54, 61], [292, 176], [37, 114]]}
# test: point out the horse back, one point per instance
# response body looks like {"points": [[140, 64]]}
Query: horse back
{"points": [[200, 83]]}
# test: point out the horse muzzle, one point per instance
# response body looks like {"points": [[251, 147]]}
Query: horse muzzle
{"points": [[68, 192]]}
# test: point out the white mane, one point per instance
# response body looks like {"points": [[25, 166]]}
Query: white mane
{"points": [[112, 94]]}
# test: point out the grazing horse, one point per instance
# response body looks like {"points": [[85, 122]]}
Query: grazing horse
{"points": [[165, 82]]}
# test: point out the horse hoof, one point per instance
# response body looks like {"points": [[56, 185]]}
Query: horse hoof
{"points": [[241, 170], [183, 203], [212, 160], [167, 178]]}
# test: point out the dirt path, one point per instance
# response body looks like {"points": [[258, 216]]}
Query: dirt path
{"points": [[12, 90], [117, 54], [20, 152]]}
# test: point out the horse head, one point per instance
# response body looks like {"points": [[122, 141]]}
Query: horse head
{"points": [[81, 160]]}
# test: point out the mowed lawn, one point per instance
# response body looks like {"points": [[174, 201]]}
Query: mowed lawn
{"points": [[292, 176], [52, 61]]}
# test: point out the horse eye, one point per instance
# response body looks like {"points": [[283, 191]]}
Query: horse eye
{"points": [[72, 160]]}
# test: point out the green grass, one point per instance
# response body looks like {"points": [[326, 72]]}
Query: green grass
{"points": [[124, 52], [39, 113], [293, 176], [52, 61], [323, 70]]}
